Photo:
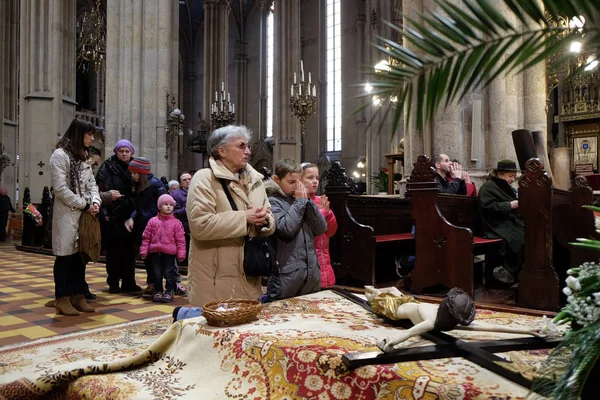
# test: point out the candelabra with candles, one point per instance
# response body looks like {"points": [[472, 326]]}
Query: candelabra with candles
{"points": [[91, 38], [303, 102], [222, 111], [174, 125]]}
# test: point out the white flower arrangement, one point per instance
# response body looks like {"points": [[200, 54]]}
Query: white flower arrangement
{"points": [[583, 295], [565, 373]]}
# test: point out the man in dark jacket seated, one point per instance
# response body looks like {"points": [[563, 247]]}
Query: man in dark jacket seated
{"points": [[499, 209], [447, 169]]}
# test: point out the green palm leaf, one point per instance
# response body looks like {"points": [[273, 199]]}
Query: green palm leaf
{"points": [[457, 50], [564, 374]]}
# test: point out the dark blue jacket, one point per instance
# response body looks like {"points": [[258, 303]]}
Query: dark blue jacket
{"points": [[180, 197], [147, 204]]}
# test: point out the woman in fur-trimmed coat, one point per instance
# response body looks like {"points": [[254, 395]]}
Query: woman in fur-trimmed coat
{"points": [[216, 255]]}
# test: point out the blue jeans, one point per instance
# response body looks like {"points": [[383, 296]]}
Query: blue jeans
{"points": [[163, 265]]}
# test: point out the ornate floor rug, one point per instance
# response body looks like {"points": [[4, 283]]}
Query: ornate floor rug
{"points": [[293, 351]]}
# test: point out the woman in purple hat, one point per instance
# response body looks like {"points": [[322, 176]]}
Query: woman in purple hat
{"points": [[113, 174]]}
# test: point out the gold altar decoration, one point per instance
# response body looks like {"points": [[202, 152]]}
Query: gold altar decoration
{"points": [[575, 72]]}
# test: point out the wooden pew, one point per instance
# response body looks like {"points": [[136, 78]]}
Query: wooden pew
{"points": [[371, 231], [448, 234], [572, 222], [553, 219]]}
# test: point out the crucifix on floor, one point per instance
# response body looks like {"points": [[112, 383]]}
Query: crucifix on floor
{"points": [[480, 353]]}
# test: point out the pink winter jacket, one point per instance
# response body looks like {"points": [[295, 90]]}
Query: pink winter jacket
{"points": [[164, 234], [322, 246]]}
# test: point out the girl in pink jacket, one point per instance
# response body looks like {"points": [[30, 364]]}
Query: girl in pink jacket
{"points": [[162, 242], [310, 178]]}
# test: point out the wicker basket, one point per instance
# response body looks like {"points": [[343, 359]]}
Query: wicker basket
{"points": [[239, 312]]}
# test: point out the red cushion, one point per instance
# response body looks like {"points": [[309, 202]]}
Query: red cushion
{"points": [[480, 240], [394, 237]]}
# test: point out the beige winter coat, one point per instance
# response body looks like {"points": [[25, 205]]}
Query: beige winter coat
{"points": [[215, 270], [68, 202]]}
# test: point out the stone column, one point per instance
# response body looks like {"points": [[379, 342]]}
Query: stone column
{"points": [[9, 20], [142, 53], [534, 99], [216, 45], [504, 110], [286, 128], [413, 140], [47, 86], [241, 61]]}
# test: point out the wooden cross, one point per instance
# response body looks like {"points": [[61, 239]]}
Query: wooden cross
{"points": [[41, 164], [480, 353]]}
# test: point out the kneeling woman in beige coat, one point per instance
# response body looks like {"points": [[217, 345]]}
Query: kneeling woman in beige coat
{"points": [[217, 232], [75, 191]]}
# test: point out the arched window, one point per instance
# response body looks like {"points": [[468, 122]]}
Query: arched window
{"points": [[334, 76], [270, 48]]}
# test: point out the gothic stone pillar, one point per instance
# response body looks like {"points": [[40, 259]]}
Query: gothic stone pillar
{"points": [[9, 20], [47, 86], [216, 45], [286, 128], [142, 53]]}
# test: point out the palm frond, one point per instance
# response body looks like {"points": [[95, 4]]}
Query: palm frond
{"points": [[564, 374], [458, 49]]}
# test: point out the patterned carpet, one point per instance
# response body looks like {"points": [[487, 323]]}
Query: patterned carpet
{"points": [[293, 351], [26, 284]]}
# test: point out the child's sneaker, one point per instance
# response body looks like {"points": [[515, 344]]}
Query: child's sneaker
{"points": [[167, 297], [149, 292], [180, 289], [158, 297]]}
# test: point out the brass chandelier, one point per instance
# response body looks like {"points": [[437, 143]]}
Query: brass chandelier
{"points": [[91, 38]]}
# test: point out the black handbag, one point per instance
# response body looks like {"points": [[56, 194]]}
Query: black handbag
{"points": [[260, 255]]}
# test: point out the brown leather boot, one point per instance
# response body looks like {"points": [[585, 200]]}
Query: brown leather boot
{"points": [[64, 307], [79, 303]]}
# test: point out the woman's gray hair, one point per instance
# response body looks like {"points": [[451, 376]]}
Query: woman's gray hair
{"points": [[220, 137]]}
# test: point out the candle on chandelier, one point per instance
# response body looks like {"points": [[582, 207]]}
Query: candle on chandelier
{"points": [[216, 96], [222, 86], [233, 108], [294, 78], [309, 77], [314, 91], [292, 91], [300, 90], [301, 71], [228, 98]]}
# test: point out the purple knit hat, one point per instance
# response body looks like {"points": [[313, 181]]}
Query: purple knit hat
{"points": [[165, 199], [124, 143]]}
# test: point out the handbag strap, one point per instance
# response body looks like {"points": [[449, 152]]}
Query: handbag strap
{"points": [[228, 194]]}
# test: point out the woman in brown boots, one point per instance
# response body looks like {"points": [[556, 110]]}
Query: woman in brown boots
{"points": [[75, 191]]}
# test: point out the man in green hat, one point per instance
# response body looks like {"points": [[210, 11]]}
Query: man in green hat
{"points": [[499, 206]]}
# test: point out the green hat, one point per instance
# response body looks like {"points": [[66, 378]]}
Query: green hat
{"points": [[507, 166]]}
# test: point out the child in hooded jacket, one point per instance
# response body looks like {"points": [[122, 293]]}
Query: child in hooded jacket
{"points": [[310, 179], [163, 241], [298, 221]]}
